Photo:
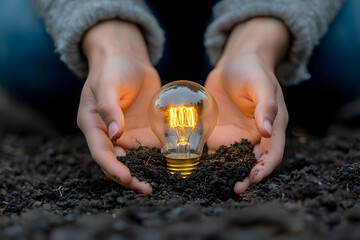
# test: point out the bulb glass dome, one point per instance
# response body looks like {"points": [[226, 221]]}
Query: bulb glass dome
{"points": [[182, 114]]}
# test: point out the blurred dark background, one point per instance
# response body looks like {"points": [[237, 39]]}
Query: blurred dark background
{"points": [[31, 73]]}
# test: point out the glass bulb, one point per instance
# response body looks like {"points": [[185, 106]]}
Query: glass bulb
{"points": [[182, 114]]}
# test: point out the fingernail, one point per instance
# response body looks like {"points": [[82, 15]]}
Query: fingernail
{"points": [[113, 129], [268, 126]]}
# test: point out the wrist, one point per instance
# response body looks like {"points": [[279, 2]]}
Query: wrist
{"points": [[114, 37], [267, 37]]}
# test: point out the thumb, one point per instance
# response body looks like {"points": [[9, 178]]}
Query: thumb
{"points": [[109, 110], [266, 108]]}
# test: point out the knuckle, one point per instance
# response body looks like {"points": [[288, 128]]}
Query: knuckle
{"points": [[269, 109], [286, 117], [273, 106], [105, 109], [79, 120]]}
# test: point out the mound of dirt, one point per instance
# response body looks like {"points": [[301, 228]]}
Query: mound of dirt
{"points": [[51, 189]]}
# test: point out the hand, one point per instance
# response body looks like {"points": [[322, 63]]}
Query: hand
{"points": [[113, 106], [250, 100]]}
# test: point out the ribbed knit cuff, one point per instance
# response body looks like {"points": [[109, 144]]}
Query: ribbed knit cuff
{"points": [[68, 20], [303, 20]]}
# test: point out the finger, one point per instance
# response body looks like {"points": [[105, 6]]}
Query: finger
{"points": [[102, 151], [100, 146], [272, 149], [266, 107], [108, 100], [135, 184], [139, 186], [257, 151], [119, 151], [241, 187]]}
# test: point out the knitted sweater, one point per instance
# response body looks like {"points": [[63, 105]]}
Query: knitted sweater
{"points": [[308, 20]]}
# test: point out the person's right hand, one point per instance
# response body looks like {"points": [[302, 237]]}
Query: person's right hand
{"points": [[113, 106]]}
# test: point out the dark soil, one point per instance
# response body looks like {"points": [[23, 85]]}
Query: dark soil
{"points": [[212, 181], [51, 189]]}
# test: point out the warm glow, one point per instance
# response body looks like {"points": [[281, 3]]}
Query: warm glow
{"points": [[182, 117], [182, 114]]}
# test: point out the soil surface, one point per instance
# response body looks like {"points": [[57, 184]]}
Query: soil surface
{"points": [[51, 189]]}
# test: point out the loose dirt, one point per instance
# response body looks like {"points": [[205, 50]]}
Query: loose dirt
{"points": [[51, 189]]}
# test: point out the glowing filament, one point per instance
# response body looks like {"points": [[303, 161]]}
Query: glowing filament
{"points": [[180, 118]]}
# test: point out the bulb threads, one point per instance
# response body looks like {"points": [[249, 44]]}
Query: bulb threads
{"points": [[183, 163]]}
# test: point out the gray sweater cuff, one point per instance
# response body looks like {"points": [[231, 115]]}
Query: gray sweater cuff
{"points": [[68, 20], [306, 20]]}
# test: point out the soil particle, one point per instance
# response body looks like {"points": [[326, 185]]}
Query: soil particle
{"points": [[52, 189]]}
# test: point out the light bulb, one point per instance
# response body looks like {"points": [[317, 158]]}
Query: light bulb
{"points": [[182, 114]]}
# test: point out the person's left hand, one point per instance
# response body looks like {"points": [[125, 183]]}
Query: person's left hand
{"points": [[250, 100]]}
